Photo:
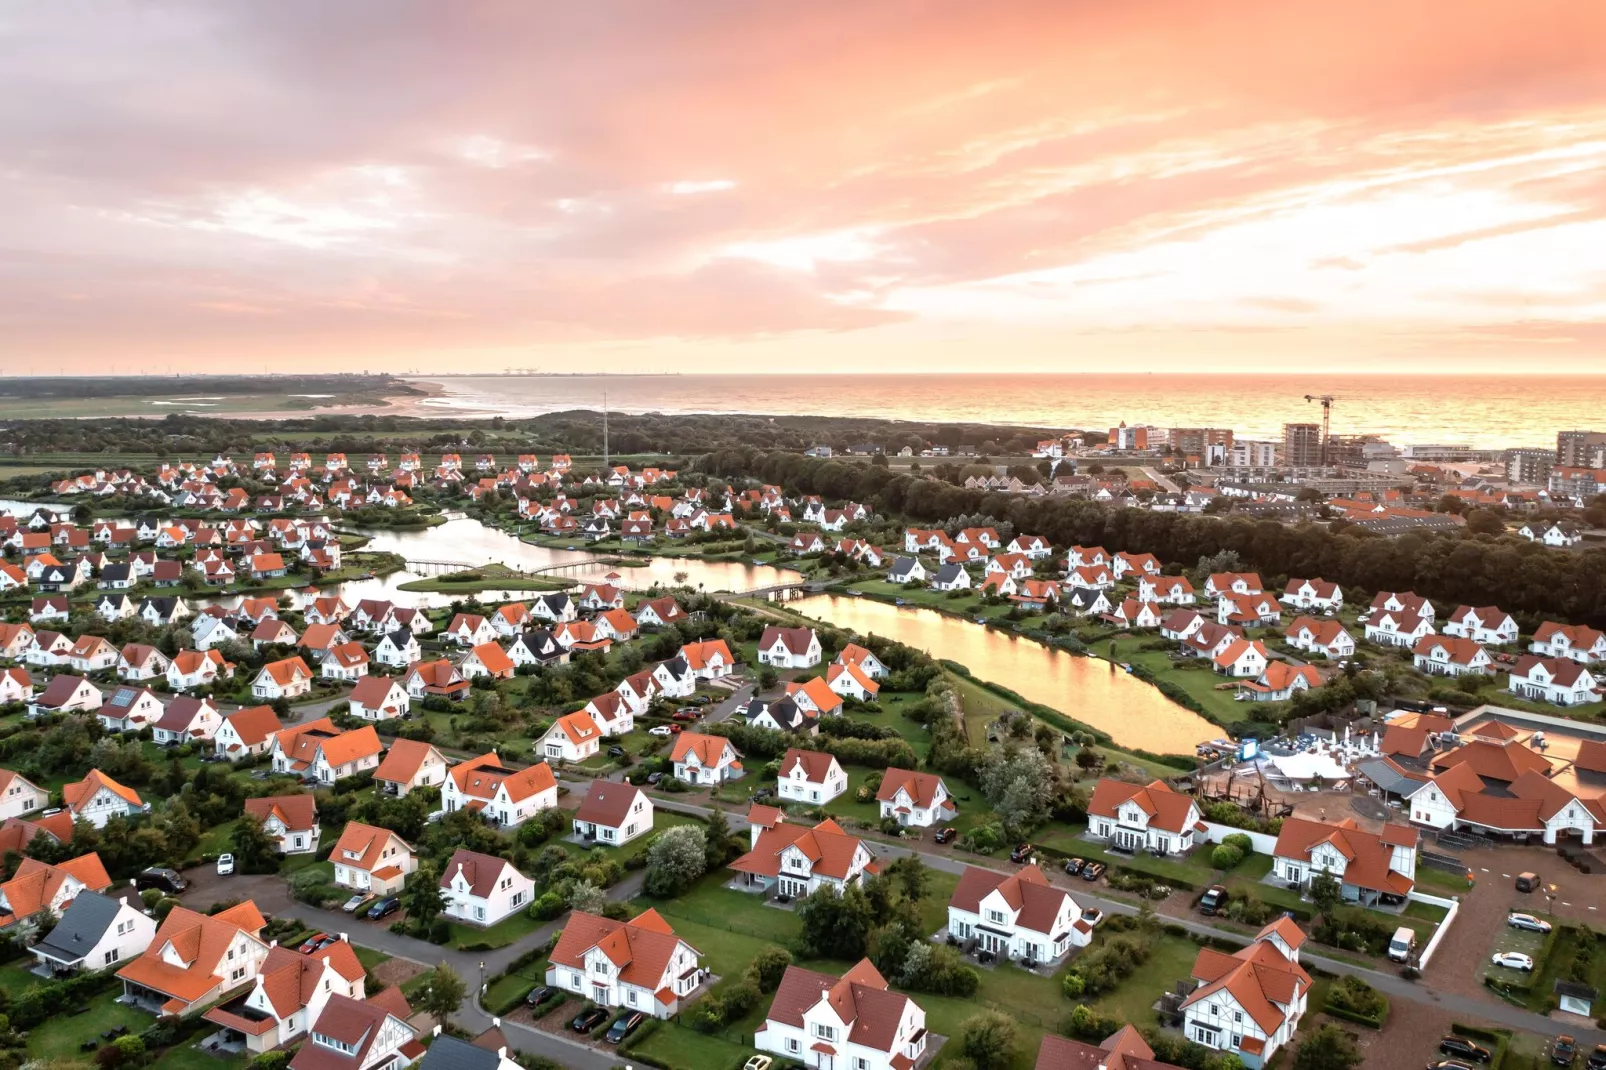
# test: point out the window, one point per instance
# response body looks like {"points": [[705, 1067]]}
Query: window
{"points": [[792, 1045], [825, 1032], [861, 1064], [111, 956], [1237, 1016], [997, 916]]}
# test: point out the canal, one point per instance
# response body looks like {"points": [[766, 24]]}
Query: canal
{"points": [[1134, 713]]}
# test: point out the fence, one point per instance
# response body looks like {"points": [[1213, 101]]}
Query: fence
{"points": [[1451, 908], [1264, 843]]}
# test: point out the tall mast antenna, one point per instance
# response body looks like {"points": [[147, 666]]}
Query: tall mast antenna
{"points": [[607, 457]]}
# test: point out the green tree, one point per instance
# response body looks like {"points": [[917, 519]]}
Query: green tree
{"points": [[836, 926], [718, 842], [587, 898], [441, 995], [254, 850], [910, 875], [676, 859], [988, 1040], [421, 896], [1329, 1048], [1326, 893], [768, 967]]}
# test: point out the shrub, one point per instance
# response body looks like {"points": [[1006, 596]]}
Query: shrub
{"points": [[1226, 857], [1104, 967], [1245, 845]]}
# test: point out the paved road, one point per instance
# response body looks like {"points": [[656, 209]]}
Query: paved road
{"points": [[1160, 481]]}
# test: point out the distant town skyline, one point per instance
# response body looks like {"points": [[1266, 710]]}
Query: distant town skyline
{"points": [[716, 187]]}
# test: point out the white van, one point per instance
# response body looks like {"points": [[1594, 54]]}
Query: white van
{"points": [[1403, 944]]}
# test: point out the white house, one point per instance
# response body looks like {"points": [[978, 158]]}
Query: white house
{"points": [[506, 797], [193, 669], [700, 759], [613, 813], [409, 764], [1249, 1003], [1166, 590], [572, 738], [469, 629], [1489, 625], [1558, 681], [194, 958], [129, 709], [907, 570], [1573, 641], [346, 662], [67, 694], [864, 1024], [397, 649], [951, 577], [247, 732], [1144, 817], [810, 776], [369, 859], [1501, 786], [1019, 916], [851, 681], [789, 648], [98, 798], [1242, 657], [317, 751], [19, 795], [912, 798], [289, 994], [290, 819], [1368, 865], [794, 860], [379, 698], [139, 661], [1314, 636], [186, 720], [95, 932], [288, 679], [868, 663], [1449, 655], [482, 889], [636, 965], [1399, 619], [1315, 593]]}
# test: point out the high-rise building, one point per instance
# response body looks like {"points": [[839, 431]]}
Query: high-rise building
{"points": [[1248, 453], [1530, 466], [1201, 442], [1129, 438], [1302, 445], [1581, 449]]}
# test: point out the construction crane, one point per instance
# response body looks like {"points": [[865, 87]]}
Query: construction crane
{"points": [[1327, 419]]}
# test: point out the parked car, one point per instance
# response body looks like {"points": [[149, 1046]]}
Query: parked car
{"points": [[659, 730], [312, 943], [1093, 871], [1214, 900], [1449, 1064], [539, 995], [1563, 1050], [761, 794], [699, 700], [683, 715], [1527, 882], [758, 1062], [225, 865], [384, 908], [350, 906], [945, 835], [1519, 920], [623, 1026], [1597, 1058], [653, 778], [1093, 916], [1512, 960], [162, 879], [1021, 853], [1461, 1046], [586, 1021], [616, 751], [1073, 866], [435, 815]]}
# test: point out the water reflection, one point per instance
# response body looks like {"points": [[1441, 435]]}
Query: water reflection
{"points": [[1134, 713]]}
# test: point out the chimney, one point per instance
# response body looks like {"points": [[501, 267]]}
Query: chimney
{"points": [[344, 939], [437, 1031], [274, 942], [496, 1023]]}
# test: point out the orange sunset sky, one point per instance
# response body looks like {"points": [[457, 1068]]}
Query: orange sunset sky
{"points": [[874, 185]]}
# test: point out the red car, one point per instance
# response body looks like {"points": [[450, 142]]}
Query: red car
{"points": [[683, 715]]}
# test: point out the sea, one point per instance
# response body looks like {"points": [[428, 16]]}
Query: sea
{"points": [[1483, 412]]}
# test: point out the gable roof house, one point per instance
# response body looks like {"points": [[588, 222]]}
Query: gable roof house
{"points": [[782, 715], [369, 859], [1019, 916], [853, 1021], [1144, 817], [789, 648], [1370, 866], [572, 738], [320, 752], [793, 860], [66, 694], [38, 886], [409, 764], [702, 759], [96, 931], [292, 820], [195, 958], [809, 776], [1248, 610], [613, 814], [851, 681], [289, 993], [950, 577], [1315, 636], [1124, 1049], [1501, 784], [19, 795], [1249, 1003], [368, 1034], [816, 695], [709, 659], [379, 698], [140, 661], [487, 659], [1573, 641], [287, 678], [1278, 682], [1449, 655], [1241, 657], [1314, 593], [1166, 590], [1558, 681], [1489, 625], [129, 709], [247, 732], [186, 720], [1399, 618], [638, 964], [98, 798], [505, 796], [481, 889], [469, 629], [913, 798]]}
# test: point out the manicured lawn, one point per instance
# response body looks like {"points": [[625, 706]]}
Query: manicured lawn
{"points": [[1172, 961], [186, 1057], [1192, 675], [501, 934], [1440, 882], [14, 976], [680, 1048], [1195, 869], [56, 1040], [662, 819], [369, 957]]}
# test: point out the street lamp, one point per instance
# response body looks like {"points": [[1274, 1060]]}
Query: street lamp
{"points": [[482, 977], [1550, 899]]}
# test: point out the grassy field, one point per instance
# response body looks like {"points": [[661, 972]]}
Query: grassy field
{"points": [[1192, 675], [1133, 1002], [56, 1040], [491, 577], [59, 408]]}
